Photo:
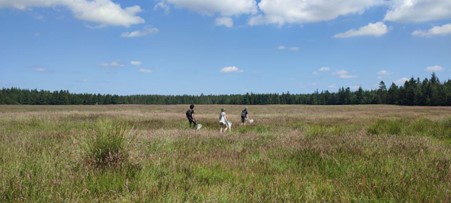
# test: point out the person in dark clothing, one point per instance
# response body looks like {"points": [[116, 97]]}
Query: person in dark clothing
{"points": [[190, 116], [244, 116]]}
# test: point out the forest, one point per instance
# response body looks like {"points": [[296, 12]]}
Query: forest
{"points": [[428, 92]]}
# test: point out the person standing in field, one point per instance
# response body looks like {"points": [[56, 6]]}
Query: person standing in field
{"points": [[223, 123], [244, 114], [190, 116]]}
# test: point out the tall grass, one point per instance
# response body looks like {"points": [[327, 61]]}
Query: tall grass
{"points": [[108, 146]]}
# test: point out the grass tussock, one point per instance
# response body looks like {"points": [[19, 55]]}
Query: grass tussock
{"points": [[108, 147]]}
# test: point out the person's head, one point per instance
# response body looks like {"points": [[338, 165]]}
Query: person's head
{"points": [[191, 106], [222, 110]]}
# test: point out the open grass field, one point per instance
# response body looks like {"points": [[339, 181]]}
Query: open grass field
{"points": [[146, 153]]}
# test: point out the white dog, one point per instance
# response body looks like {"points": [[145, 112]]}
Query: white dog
{"points": [[229, 125]]}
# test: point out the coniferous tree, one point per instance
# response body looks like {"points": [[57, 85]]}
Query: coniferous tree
{"points": [[382, 93]]}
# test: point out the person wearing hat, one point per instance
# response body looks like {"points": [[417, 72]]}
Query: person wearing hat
{"points": [[223, 123]]}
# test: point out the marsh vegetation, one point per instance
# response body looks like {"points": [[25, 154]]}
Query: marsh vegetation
{"points": [[292, 153]]}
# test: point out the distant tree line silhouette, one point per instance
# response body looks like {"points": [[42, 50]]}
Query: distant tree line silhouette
{"points": [[429, 92]]}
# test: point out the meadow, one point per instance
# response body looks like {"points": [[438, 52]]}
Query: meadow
{"points": [[292, 153]]}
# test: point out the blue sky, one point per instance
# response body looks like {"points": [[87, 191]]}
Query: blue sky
{"points": [[221, 46]]}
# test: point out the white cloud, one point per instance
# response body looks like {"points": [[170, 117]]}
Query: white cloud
{"points": [[434, 68], [222, 7], [231, 69], [372, 29], [224, 21], [41, 69], [282, 12], [103, 12], [112, 64], [308, 11], [401, 81], [382, 73], [145, 70], [163, 6], [436, 30], [418, 10], [344, 74], [136, 63], [324, 69], [282, 47], [140, 33]]}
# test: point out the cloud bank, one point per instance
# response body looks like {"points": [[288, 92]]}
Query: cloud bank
{"points": [[103, 12]]}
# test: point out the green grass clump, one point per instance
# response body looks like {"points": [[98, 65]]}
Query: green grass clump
{"points": [[108, 146], [392, 127]]}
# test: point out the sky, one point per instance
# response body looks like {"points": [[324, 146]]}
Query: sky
{"points": [[174, 47]]}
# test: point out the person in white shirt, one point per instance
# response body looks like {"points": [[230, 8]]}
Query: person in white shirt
{"points": [[223, 121]]}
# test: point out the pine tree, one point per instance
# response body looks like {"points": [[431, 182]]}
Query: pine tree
{"points": [[382, 93]]}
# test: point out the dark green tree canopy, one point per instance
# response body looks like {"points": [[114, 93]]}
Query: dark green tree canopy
{"points": [[430, 92]]}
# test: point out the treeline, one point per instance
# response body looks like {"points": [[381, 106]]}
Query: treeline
{"points": [[430, 92]]}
